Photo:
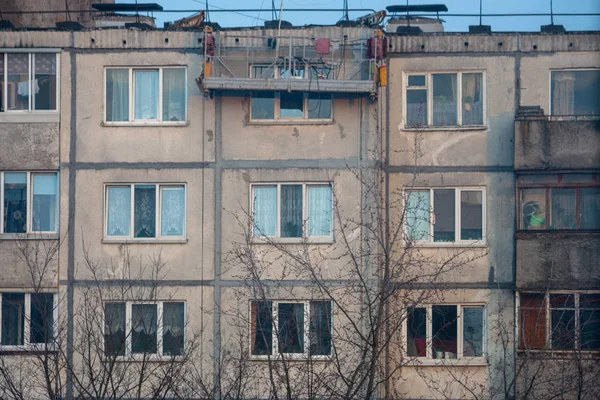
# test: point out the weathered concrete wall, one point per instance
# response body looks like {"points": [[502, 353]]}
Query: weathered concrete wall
{"points": [[556, 145], [553, 260], [26, 263]]}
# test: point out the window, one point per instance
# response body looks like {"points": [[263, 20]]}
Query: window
{"points": [[284, 106], [557, 202], [575, 92], [29, 202], [445, 99], [146, 95], [445, 215], [291, 328], [145, 211], [28, 82], [156, 328], [559, 321], [293, 210], [445, 331], [27, 319]]}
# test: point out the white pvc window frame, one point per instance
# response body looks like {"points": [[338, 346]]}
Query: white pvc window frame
{"points": [[305, 208], [27, 345], [550, 94], [457, 217], [31, 72], [30, 193], [159, 329], [459, 98], [275, 329], [131, 88], [158, 211], [459, 335]]}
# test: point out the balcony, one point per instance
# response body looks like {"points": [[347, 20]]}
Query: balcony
{"points": [[556, 143]]}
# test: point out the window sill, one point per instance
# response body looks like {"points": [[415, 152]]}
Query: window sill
{"points": [[30, 349], [292, 358], [29, 236], [144, 241], [144, 124], [291, 122], [11, 117], [144, 358], [277, 240], [477, 245], [559, 354], [457, 362], [445, 128]]}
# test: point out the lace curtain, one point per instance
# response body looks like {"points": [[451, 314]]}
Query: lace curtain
{"points": [[174, 94], [265, 211], [143, 323], [172, 211], [472, 106], [563, 93], [117, 94], [119, 211], [319, 210], [173, 328], [114, 328], [146, 95]]}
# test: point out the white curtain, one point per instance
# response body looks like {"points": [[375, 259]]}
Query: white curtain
{"points": [[265, 211], [172, 211], [563, 93], [417, 215], [174, 105], [119, 211], [117, 94], [563, 214], [44, 202], [319, 210], [472, 110], [146, 95]]}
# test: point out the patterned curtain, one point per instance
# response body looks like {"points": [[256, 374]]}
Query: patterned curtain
{"points": [[143, 335], [174, 107], [144, 216], [173, 328], [146, 95], [114, 328], [172, 211], [119, 211], [117, 94], [265, 211], [319, 210]]}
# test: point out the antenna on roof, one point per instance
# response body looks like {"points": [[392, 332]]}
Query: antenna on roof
{"points": [[552, 28], [345, 17], [273, 11], [551, 14]]}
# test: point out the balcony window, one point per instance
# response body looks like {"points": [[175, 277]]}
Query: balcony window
{"points": [[575, 92], [291, 106]]}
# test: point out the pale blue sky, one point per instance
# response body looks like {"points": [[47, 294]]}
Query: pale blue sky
{"points": [[452, 24]]}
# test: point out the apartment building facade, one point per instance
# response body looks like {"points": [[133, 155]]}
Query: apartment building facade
{"points": [[197, 205]]}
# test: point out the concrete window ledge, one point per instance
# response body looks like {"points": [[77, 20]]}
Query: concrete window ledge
{"points": [[29, 117], [445, 128], [465, 362], [144, 124], [29, 236], [295, 122], [143, 241]]}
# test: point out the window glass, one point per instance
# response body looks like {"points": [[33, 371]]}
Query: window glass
{"points": [[44, 83], [319, 210], [114, 329], [291, 105], [119, 211], [533, 209], [444, 100], [117, 94], [172, 217], [145, 211], [472, 331], [146, 95], [290, 324], [44, 202], [576, 92], [444, 331], [2, 87], [42, 317], [291, 71], [261, 327], [416, 107], [15, 202], [532, 312], [18, 81], [417, 210], [143, 324], [265, 211], [319, 106], [173, 328], [13, 319], [589, 208], [320, 328], [174, 107], [263, 105], [563, 209], [263, 71], [562, 314], [416, 80], [589, 317], [417, 332], [472, 106], [471, 215], [444, 209], [291, 211]]}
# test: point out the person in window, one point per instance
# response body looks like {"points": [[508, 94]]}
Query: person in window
{"points": [[533, 215]]}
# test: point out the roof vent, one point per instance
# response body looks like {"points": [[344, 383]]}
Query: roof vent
{"points": [[275, 24], [480, 29], [138, 25], [553, 28], [402, 22], [69, 26]]}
